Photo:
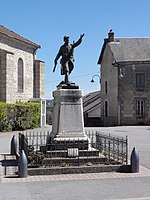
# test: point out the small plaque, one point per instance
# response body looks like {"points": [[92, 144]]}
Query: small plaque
{"points": [[73, 152]]}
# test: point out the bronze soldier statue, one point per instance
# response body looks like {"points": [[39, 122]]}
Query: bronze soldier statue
{"points": [[67, 57]]}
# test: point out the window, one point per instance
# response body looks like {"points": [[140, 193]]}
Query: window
{"points": [[140, 108], [106, 88], [106, 108], [140, 81], [20, 75]]}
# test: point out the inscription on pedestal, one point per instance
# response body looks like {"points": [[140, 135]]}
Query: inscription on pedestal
{"points": [[68, 113]]}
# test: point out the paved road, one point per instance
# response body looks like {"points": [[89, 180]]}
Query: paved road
{"points": [[104, 186], [78, 190], [84, 189]]}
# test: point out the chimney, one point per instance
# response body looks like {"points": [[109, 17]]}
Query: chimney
{"points": [[111, 36]]}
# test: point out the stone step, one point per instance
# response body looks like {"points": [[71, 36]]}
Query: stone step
{"points": [[64, 144], [78, 169], [74, 161], [64, 153]]}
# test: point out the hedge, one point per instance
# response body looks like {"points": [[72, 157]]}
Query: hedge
{"points": [[19, 116]]}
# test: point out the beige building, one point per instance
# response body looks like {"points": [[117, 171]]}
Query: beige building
{"points": [[125, 81], [21, 75]]}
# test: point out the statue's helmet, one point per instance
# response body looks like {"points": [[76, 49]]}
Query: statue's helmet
{"points": [[66, 38]]}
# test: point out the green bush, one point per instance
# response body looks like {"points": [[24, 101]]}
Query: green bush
{"points": [[36, 109], [3, 115], [10, 119], [19, 116], [24, 117]]}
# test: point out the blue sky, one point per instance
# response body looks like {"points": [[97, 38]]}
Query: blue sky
{"points": [[45, 22]]}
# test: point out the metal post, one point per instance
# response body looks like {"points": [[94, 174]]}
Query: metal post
{"points": [[109, 147], [126, 149], [23, 143], [13, 147], [23, 165], [134, 161]]}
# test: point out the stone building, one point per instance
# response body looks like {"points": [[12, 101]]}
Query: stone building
{"points": [[125, 81], [21, 75]]}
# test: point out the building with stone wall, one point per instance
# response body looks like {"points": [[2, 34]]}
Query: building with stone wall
{"points": [[125, 81], [21, 75]]}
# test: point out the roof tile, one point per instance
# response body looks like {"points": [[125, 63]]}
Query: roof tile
{"points": [[131, 49], [14, 35]]}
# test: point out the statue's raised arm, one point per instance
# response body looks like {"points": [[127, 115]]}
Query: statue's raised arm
{"points": [[82, 35], [67, 57], [75, 44]]}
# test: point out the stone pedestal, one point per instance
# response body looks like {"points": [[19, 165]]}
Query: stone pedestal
{"points": [[68, 124]]}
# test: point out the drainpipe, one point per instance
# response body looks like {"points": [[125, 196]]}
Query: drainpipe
{"points": [[116, 64]]}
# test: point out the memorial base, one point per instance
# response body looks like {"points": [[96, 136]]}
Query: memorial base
{"points": [[68, 125], [67, 143]]}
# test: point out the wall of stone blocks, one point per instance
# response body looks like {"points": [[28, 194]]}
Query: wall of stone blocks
{"points": [[2, 76], [128, 94], [9, 64], [109, 121], [38, 79]]}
